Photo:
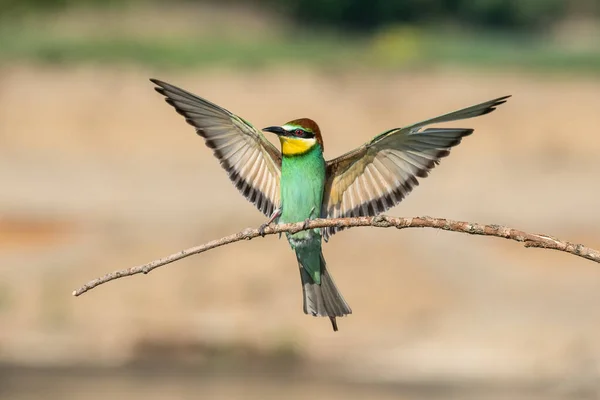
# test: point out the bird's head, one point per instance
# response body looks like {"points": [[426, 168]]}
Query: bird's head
{"points": [[297, 136]]}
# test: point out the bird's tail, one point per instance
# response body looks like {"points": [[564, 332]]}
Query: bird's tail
{"points": [[323, 298]]}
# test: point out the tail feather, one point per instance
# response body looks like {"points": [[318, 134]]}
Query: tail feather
{"points": [[324, 299]]}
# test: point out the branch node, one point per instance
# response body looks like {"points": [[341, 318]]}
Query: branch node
{"points": [[381, 221]]}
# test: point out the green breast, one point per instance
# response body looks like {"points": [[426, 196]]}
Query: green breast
{"points": [[302, 183]]}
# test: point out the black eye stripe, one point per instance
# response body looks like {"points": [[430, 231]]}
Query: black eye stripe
{"points": [[301, 133]]}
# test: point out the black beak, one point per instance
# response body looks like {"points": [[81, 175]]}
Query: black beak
{"points": [[279, 131]]}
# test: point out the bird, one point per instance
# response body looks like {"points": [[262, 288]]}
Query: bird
{"points": [[297, 184]]}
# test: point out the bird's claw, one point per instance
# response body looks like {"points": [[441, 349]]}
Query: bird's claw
{"points": [[261, 230], [274, 216], [306, 222]]}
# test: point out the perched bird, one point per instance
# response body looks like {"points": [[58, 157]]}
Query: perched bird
{"points": [[297, 184]]}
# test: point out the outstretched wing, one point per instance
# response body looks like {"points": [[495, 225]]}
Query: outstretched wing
{"points": [[252, 162], [379, 174]]}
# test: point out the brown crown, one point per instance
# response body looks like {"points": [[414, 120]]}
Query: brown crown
{"points": [[310, 125]]}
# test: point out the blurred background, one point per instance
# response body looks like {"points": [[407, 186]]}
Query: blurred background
{"points": [[97, 173]]}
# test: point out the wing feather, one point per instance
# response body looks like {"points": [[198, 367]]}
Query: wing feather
{"points": [[251, 161], [379, 174]]}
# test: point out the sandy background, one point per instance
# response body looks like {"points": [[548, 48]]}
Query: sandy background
{"points": [[97, 173]]}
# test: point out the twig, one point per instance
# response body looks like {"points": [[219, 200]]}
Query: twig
{"points": [[381, 221]]}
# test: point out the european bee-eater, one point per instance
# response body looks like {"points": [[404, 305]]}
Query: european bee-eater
{"points": [[297, 183]]}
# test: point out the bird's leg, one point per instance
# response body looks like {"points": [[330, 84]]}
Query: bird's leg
{"points": [[276, 214], [307, 220]]}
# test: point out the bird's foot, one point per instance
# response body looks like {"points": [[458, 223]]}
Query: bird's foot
{"points": [[305, 224], [275, 215], [261, 230]]}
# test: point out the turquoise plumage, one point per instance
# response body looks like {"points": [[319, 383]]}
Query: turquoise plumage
{"points": [[302, 186]]}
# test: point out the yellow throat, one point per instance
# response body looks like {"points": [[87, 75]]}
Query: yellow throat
{"points": [[291, 146]]}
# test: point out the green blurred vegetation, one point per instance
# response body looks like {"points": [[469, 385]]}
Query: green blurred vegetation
{"points": [[389, 49], [360, 15], [333, 33], [174, 52], [17, 8]]}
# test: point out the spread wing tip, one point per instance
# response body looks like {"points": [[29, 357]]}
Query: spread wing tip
{"points": [[157, 82], [469, 112], [496, 102], [161, 90], [160, 86], [168, 90], [210, 121]]}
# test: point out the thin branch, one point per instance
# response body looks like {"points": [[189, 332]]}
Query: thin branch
{"points": [[381, 221]]}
